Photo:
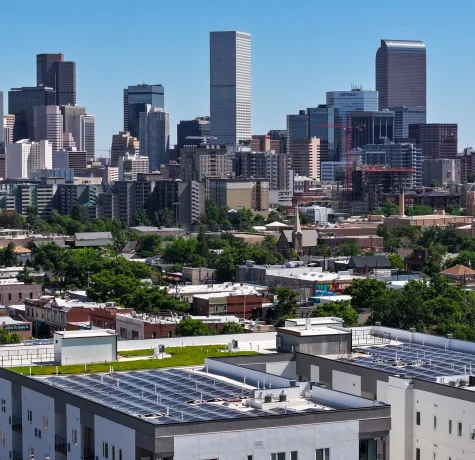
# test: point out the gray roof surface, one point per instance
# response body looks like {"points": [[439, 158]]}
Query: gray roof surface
{"points": [[94, 236]]}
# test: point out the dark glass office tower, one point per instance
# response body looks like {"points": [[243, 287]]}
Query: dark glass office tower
{"points": [[197, 128], [321, 124], [371, 127], [21, 103], [438, 140], [53, 71], [401, 74], [135, 100]]}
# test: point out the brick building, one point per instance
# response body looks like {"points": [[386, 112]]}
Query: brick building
{"points": [[226, 303], [13, 292], [104, 316]]}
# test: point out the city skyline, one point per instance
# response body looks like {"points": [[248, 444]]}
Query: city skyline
{"points": [[100, 84]]}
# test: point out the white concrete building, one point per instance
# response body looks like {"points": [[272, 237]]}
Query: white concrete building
{"points": [[230, 409], [317, 213], [25, 157], [131, 165], [428, 381], [230, 86]]}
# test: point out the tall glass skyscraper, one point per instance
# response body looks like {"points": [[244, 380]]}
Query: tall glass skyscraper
{"points": [[136, 98], [230, 87], [356, 100], [401, 73]]}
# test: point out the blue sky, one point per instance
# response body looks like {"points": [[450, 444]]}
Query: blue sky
{"points": [[300, 50]]}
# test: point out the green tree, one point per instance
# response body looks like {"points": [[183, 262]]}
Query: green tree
{"points": [[9, 257], [365, 292], [25, 276], [141, 218], [211, 211], [79, 213], [305, 219], [149, 245], [226, 266], [434, 183], [180, 250], [419, 210], [396, 261], [349, 249], [8, 338], [10, 219], [287, 301], [164, 218], [189, 327], [322, 250], [453, 209], [388, 208], [232, 328], [471, 178], [47, 256], [341, 309], [435, 258], [32, 217]]}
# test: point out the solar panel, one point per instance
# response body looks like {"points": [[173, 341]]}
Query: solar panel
{"points": [[160, 396], [415, 360]]}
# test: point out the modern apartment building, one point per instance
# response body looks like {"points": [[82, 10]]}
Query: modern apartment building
{"points": [[122, 144], [443, 171], [264, 143], [401, 74], [8, 126], [438, 140], [90, 136], [193, 132], [371, 127], [21, 104], [297, 128], [53, 71], [306, 157], [332, 171], [25, 157], [258, 165], [148, 415], [48, 125], [154, 136], [405, 116], [240, 193], [71, 159], [131, 165], [136, 98], [281, 136], [199, 163], [230, 87]]}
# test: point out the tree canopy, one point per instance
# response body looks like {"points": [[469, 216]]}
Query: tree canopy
{"points": [[189, 327], [342, 309]]}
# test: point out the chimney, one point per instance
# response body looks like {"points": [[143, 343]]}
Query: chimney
{"points": [[401, 204]]}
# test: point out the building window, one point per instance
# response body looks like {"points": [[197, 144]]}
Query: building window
{"points": [[277, 456], [31, 295], [4, 405], [10, 296], [249, 457], [418, 418], [113, 452], [450, 426], [418, 453], [460, 429], [294, 455], [105, 449], [32, 452], [322, 454], [154, 335], [123, 332], [3, 439], [74, 436], [472, 432], [135, 335], [19, 296], [435, 422], [120, 454], [29, 416], [45, 423]]}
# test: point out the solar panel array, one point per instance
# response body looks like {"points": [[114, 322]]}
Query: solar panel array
{"points": [[414, 360], [160, 396]]}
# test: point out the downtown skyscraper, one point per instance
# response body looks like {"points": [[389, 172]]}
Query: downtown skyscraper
{"points": [[401, 74], [230, 87], [54, 72]]}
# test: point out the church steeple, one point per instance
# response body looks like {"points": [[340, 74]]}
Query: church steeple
{"points": [[297, 232]]}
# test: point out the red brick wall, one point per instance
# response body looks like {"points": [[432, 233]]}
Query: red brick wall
{"points": [[106, 316]]}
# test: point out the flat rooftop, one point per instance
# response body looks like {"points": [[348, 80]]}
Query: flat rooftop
{"points": [[415, 355], [174, 396], [313, 330], [86, 333]]}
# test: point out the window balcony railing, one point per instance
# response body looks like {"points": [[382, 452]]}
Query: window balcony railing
{"points": [[17, 424], [60, 445]]}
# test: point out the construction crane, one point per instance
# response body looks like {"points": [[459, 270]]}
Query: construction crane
{"points": [[348, 162]]}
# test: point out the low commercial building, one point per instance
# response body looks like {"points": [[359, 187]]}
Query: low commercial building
{"points": [[237, 303], [198, 275], [160, 325], [13, 291], [103, 316], [240, 193]]}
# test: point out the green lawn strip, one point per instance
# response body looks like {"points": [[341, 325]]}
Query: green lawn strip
{"points": [[186, 356], [175, 350]]}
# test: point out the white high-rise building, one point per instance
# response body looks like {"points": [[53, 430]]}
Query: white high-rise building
{"points": [[90, 137], [25, 157], [73, 119], [230, 87], [154, 136], [8, 124], [48, 125]]}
